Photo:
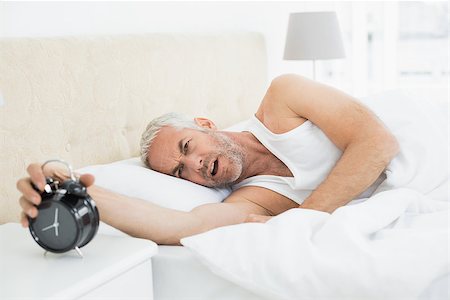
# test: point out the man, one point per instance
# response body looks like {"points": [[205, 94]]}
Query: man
{"points": [[354, 147]]}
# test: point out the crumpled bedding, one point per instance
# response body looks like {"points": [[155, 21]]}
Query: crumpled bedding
{"points": [[393, 245]]}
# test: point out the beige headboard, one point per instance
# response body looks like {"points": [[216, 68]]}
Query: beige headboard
{"points": [[87, 99]]}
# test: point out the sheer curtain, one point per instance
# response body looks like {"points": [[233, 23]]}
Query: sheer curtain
{"points": [[391, 45]]}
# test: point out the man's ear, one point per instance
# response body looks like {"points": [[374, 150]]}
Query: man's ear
{"points": [[205, 123]]}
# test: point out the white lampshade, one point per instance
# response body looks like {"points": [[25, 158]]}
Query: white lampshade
{"points": [[313, 35]]}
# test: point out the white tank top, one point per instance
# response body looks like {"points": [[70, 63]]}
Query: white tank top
{"points": [[307, 152]]}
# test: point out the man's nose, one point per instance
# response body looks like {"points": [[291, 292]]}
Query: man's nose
{"points": [[194, 162]]}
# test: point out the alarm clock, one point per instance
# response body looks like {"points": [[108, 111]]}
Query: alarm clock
{"points": [[68, 217]]}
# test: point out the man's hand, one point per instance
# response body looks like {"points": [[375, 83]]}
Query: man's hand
{"points": [[252, 218], [30, 197]]}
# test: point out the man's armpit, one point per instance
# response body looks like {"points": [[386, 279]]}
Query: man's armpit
{"points": [[265, 201]]}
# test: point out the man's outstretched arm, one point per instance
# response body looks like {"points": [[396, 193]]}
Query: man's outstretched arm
{"points": [[140, 218], [367, 144], [144, 219]]}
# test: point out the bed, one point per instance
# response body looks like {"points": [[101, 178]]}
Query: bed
{"points": [[87, 99]]}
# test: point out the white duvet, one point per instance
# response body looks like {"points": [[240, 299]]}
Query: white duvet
{"points": [[393, 245]]}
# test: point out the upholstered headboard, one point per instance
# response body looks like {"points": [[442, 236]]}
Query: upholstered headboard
{"points": [[87, 99]]}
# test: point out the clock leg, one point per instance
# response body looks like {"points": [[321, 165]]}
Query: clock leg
{"points": [[79, 252]]}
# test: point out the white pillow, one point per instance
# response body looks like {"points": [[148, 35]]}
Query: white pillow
{"points": [[131, 178]]}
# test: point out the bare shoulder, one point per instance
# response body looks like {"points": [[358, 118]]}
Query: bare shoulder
{"points": [[340, 116], [287, 88], [302, 96], [276, 93], [288, 79], [261, 201], [274, 111]]}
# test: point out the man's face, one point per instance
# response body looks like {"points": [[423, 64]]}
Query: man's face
{"points": [[208, 158]]}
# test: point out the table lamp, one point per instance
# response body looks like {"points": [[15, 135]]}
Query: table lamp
{"points": [[313, 36]]}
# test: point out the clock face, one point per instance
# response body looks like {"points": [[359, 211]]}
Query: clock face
{"points": [[55, 226]]}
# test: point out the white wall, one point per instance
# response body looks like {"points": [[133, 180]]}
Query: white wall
{"points": [[37, 19]]}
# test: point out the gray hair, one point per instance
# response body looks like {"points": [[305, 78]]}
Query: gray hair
{"points": [[175, 120]]}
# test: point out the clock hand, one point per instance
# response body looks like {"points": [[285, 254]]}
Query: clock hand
{"points": [[56, 228], [48, 227], [55, 223], [56, 216]]}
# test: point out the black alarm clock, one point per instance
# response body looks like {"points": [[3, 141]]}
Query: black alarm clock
{"points": [[68, 217]]}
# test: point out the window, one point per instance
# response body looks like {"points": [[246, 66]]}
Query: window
{"points": [[391, 45], [422, 53]]}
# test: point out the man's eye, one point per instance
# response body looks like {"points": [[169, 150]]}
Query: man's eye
{"points": [[180, 170], [186, 146]]}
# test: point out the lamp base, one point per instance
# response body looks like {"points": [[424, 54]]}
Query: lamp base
{"points": [[314, 69]]}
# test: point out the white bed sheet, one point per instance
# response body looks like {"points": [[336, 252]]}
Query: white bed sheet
{"points": [[179, 275], [394, 245]]}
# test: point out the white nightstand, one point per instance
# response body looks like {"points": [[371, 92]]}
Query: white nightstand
{"points": [[112, 268]]}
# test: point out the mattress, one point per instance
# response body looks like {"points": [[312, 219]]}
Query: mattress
{"points": [[178, 274]]}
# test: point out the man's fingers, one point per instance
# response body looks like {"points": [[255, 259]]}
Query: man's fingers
{"points": [[23, 220], [27, 207], [30, 197], [24, 186], [37, 176], [87, 179]]}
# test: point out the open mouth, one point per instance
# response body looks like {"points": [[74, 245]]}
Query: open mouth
{"points": [[215, 167]]}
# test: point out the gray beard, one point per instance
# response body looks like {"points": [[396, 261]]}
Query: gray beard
{"points": [[229, 149]]}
